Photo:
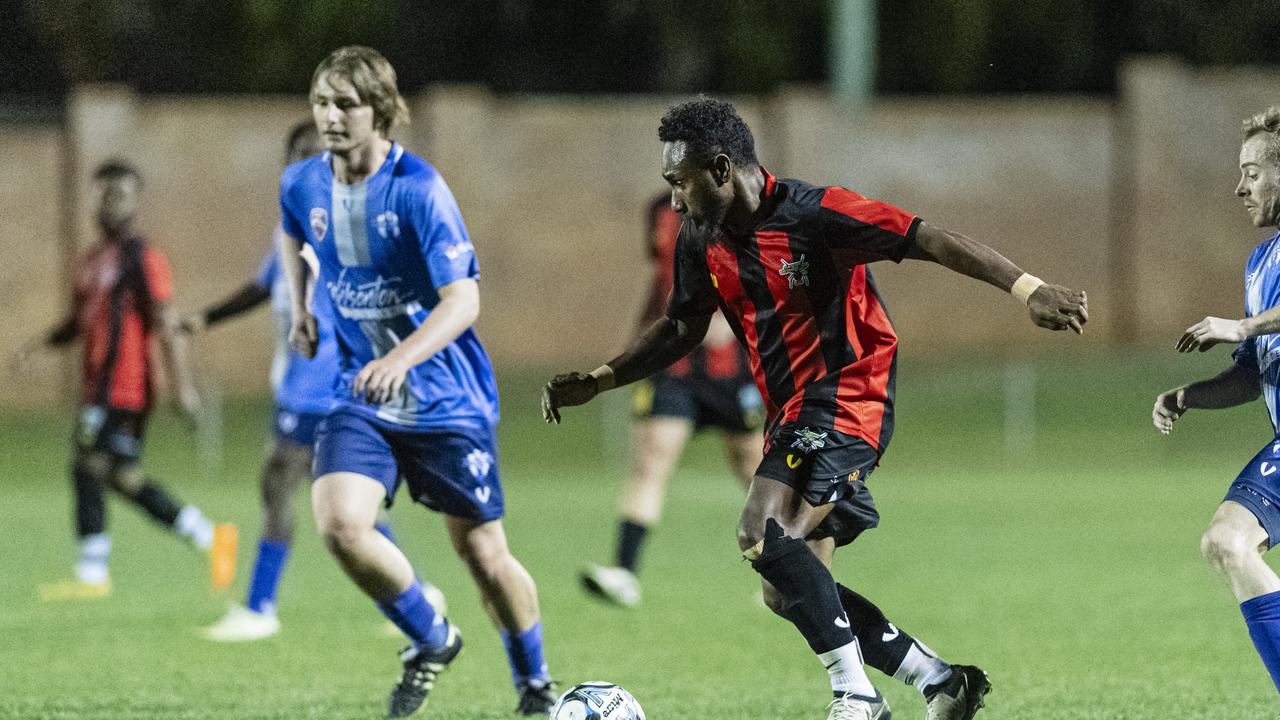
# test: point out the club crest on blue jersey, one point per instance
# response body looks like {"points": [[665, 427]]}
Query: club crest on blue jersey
{"points": [[796, 272], [388, 224], [319, 223], [458, 249]]}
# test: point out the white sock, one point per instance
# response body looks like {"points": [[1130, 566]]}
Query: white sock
{"points": [[844, 665], [922, 668], [91, 567], [194, 526]]}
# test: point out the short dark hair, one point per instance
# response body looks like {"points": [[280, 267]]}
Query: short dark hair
{"points": [[117, 168], [296, 134], [709, 127]]}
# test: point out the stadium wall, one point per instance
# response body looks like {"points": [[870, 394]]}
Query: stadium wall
{"points": [[1129, 199]]}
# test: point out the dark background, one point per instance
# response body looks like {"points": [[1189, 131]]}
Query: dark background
{"points": [[563, 46]]}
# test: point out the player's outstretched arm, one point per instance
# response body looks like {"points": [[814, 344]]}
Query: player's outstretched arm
{"points": [[1051, 306], [246, 298], [57, 336], [304, 335], [1236, 385], [173, 347], [1213, 330], [665, 342]]}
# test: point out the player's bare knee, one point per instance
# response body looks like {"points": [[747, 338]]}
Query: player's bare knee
{"points": [[341, 533], [125, 478], [1224, 546]]}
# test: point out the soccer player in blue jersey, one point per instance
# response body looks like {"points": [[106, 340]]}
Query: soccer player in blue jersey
{"points": [[1247, 523], [416, 396], [303, 394]]}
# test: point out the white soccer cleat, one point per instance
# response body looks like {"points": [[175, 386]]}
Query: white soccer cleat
{"points": [[617, 585], [857, 707], [241, 624]]}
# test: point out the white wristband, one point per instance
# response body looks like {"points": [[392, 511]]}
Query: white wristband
{"points": [[604, 378], [1024, 286]]}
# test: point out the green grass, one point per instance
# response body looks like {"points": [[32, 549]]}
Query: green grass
{"points": [[1069, 570]]}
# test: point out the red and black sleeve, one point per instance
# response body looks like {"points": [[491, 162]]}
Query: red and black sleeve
{"points": [[692, 294], [873, 230]]}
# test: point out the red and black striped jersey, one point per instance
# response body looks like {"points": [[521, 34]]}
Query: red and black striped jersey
{"points": [[799, 296], [714, 361], [117, 285]]}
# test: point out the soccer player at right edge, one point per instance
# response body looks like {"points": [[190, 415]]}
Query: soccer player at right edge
{"points": [[786, 263], [1247, 523]]}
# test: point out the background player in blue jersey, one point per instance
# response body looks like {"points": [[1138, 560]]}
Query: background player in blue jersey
{"points": [[303, 393], [1247, 523], [416, 396]]}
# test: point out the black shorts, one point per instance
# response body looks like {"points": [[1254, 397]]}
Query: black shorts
{"points": [[827, 467], [112, 431], [730, 404]]}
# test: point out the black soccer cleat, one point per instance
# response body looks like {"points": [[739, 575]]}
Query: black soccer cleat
{"points": [[958, 697], [420, 670], [537, 699]]}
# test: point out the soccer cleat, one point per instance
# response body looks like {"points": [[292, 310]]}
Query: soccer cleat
{"points": [[616, 585], [537, 698], [859, 707], [74, 589], [959, 696], [420, 670], [241, 624], [222, 556]]}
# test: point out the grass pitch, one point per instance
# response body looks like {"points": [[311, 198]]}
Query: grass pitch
{"points": [[1067, 568]]}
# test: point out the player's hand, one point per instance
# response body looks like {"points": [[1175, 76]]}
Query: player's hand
{"points": [[566, 391], [1211, 331], [1169, 407], [380, 380], [193, 324], [304, 336], [1059, 308]]}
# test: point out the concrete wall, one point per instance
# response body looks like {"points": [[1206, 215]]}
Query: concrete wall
{"points": [[553, 187]]}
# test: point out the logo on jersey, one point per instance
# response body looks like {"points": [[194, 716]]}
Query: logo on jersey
{"points": [[796, 272], [853, 476], [793, 462], [478, 464], [807, 440], [319, 223], [388, 224], [458, 249]]}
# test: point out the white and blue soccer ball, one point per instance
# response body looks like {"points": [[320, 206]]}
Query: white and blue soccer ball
{"points": [[597, 700]]}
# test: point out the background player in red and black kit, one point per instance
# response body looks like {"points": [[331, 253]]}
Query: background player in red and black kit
{"points": [[121, 303], [710, 387], [786, 262]]}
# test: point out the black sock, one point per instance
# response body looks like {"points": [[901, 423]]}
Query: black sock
{"points": [[91, 503], [630, 539], [809, 596], [158, 503], [872, 628]]}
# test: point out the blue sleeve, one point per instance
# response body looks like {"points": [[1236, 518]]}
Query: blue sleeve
{"points": [[292, 225], [442, 235], [269, 270], [1246, 354]]}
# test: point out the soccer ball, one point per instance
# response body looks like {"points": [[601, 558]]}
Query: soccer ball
{"points": [[597, 700]]}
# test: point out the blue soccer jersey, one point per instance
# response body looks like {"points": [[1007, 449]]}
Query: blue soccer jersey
{"points": [[385, 245], [1261, 293], [301, 386]]}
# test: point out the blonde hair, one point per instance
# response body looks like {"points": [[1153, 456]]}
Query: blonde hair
{"points": [[1267, 121], [374, 80]]}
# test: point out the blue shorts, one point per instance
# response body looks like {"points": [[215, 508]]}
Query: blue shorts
{"points": [[297, 428], [1257, 487], [450, 471]]}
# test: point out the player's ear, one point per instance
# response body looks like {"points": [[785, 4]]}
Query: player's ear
{"points": [[721, 169]]}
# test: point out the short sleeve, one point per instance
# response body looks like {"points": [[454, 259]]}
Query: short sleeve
{"points": [[1246, 355], [288, 219], [269, 270], [872, 229], [442, 235], [159, 276], [692, 294]]}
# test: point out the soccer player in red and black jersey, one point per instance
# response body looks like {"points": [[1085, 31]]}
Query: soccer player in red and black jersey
{"points": [[121, 303], [710, 387], [786, 262]]}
